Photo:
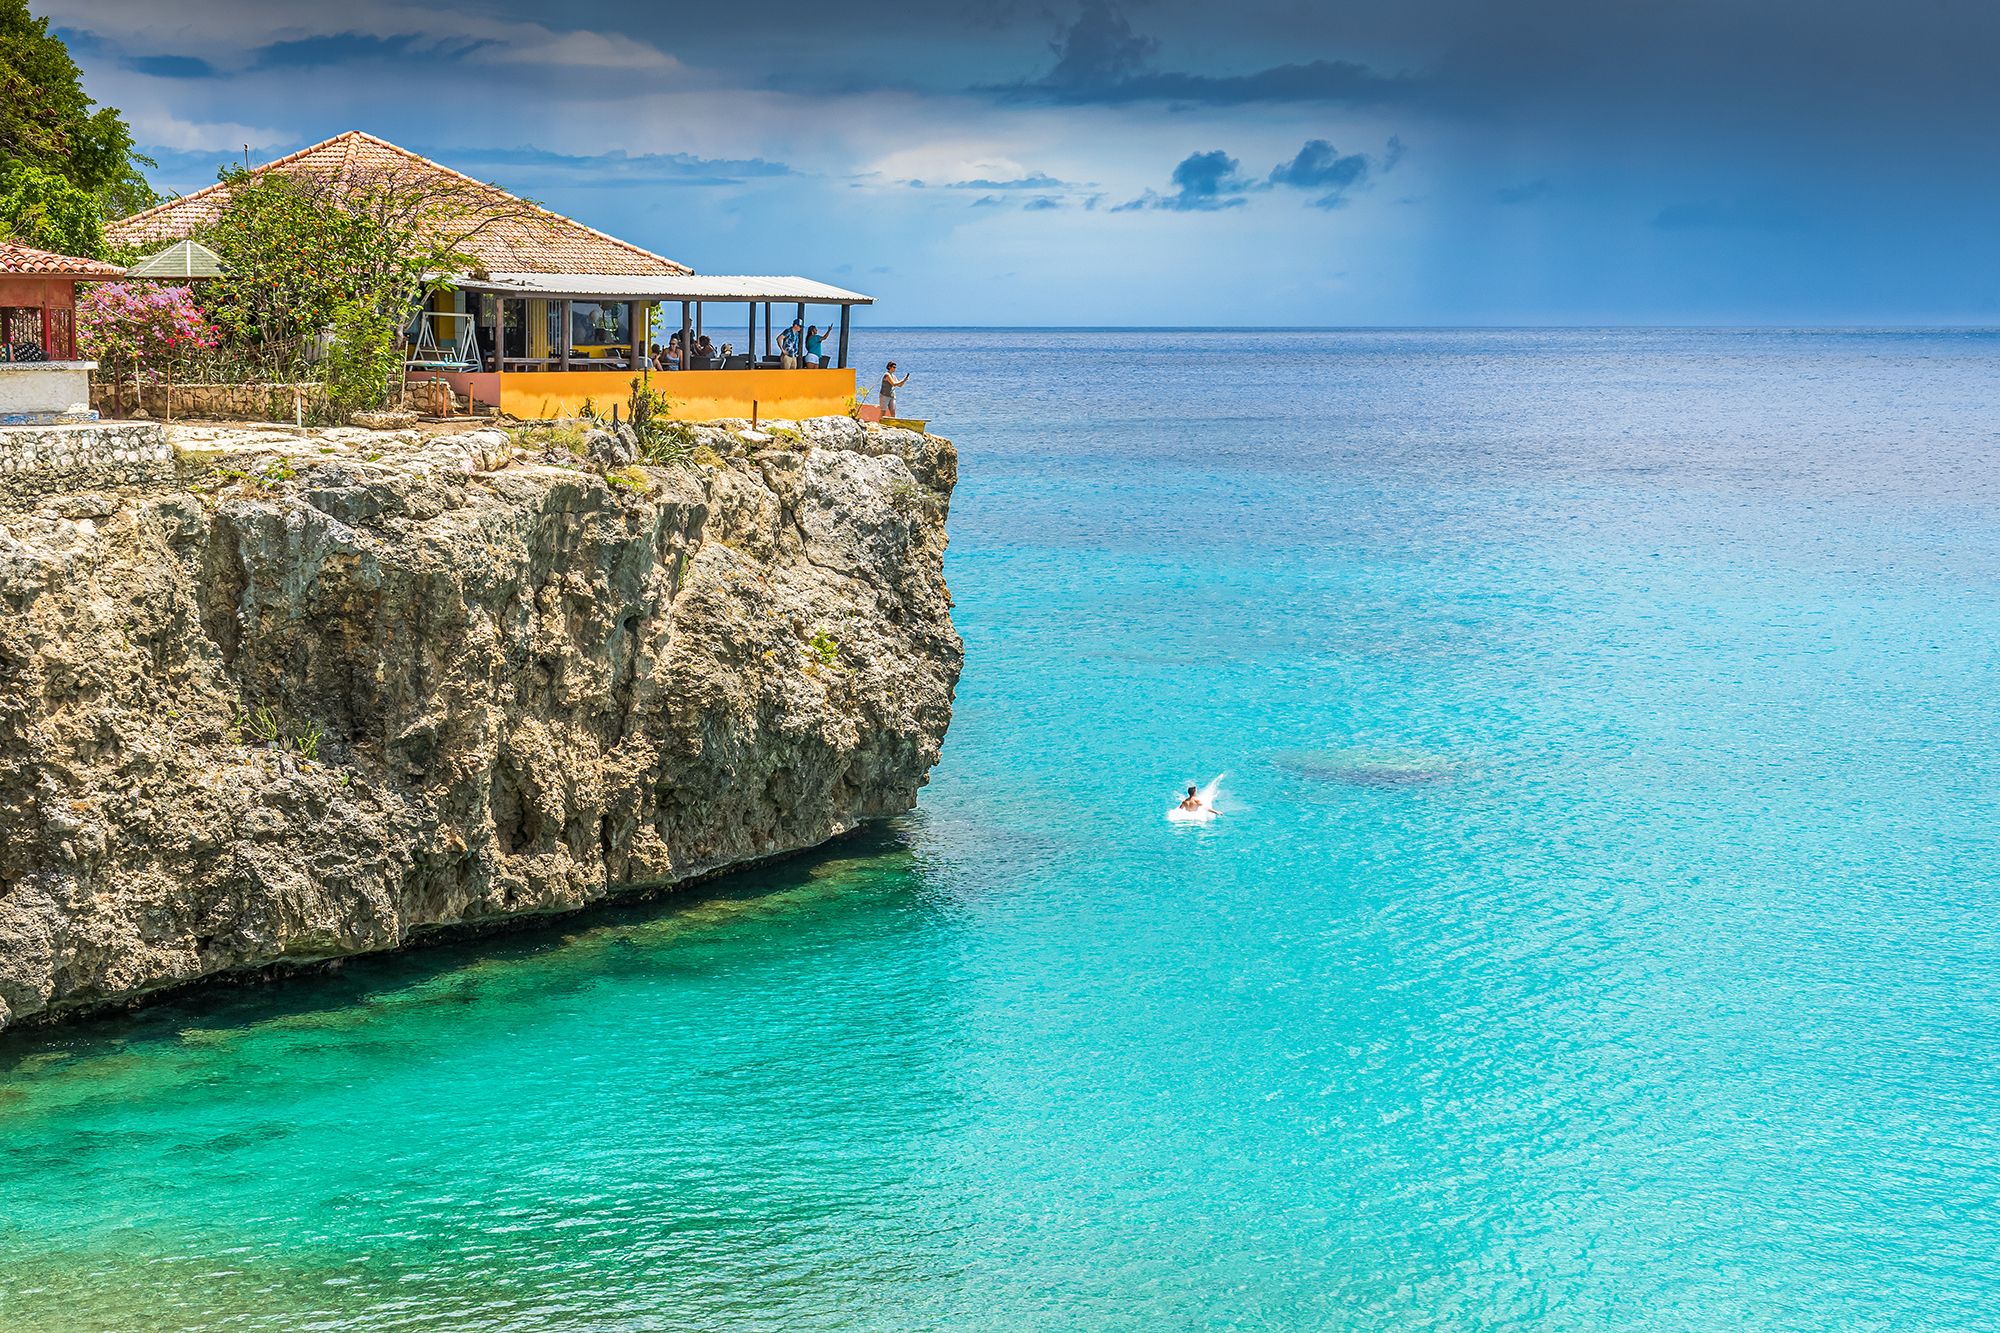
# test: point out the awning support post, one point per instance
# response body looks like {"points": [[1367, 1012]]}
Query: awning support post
{"points": [[687, 338], [846, 318]]}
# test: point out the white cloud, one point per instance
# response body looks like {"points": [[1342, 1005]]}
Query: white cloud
{"points": [[587, 50], [162, 129], [942, 161]]}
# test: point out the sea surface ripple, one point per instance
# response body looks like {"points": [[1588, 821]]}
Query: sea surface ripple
{"points": [[1602, 932]]}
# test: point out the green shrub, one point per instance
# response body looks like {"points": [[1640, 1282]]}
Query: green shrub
{"points": [[824, 648], [553, 437], [363, 361], [663, 441], [668, 444]]}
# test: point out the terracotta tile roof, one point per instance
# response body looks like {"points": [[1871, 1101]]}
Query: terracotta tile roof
{"points": [[527, 239], [26, 261]]}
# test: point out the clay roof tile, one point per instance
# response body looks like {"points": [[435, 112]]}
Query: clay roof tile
{"points": [[526, 238]]}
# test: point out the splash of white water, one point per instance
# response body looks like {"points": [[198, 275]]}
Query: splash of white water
{"points": [[1203, 812]]}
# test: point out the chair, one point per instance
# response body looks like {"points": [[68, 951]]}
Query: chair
{"points": [[737, 363]]}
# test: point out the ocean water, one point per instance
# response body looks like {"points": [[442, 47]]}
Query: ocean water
{"points": [[1603, 931]]}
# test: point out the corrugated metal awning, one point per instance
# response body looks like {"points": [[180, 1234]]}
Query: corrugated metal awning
{"points": [[655, 287]]}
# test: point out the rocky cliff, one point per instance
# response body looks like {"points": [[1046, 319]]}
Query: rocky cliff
{"points": [[327, 691]]}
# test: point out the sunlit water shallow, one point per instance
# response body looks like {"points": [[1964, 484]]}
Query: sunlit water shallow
{"points": [[1602, 932]]}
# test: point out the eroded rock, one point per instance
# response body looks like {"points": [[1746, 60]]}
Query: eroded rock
{"points": [[384, 688]]}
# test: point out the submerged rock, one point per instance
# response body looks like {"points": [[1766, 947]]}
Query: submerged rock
{"points": [[1358, 769], [318, 706]]}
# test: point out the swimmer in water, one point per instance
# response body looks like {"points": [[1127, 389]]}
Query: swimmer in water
{"points": [[1193, 801]]}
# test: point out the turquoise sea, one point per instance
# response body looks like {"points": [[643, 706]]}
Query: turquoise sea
{"points": [[1603, 932]]}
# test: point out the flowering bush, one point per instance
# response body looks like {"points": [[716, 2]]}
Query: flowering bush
{"points": [[141, 326]]}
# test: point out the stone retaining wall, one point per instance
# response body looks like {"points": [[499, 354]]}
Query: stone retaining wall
{"points": [[45, 460], [206, 402]]}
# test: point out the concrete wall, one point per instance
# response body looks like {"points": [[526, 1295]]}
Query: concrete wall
{"points": [[43, 388], [43, 460], [697, 395]]}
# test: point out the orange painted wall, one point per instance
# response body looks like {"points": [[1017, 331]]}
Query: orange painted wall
{"points": [[697, 395], [60, 293]]}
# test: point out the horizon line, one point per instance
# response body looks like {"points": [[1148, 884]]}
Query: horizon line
{"points": [[1432, 328]]}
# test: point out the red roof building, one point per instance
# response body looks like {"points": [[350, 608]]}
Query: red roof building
{"points": [[38, 301]]}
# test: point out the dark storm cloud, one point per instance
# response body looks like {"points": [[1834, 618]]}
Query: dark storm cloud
{"points": [[1102, 58], [1211, 181], [352, 48], [171, 67], [1321, 166], [1203, 183]]}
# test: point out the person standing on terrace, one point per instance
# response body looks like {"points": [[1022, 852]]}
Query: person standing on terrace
{"points": [[889, 386], [815, 346], [788, 346]]}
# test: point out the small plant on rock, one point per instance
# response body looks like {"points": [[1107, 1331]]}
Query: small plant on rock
{"points": [[824, 649], [668, 444], [257, 728], [553, 437]]}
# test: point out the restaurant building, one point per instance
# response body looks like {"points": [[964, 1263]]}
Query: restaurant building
{"points": [[551, 313]]}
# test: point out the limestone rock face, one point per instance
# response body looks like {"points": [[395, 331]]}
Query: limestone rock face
{"points": [[315, 705]]}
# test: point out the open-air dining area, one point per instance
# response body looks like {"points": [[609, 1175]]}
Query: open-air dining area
{"points": [[537, 345]]}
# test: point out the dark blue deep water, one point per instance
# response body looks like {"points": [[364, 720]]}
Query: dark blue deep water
{"points": [[1603, 932]]}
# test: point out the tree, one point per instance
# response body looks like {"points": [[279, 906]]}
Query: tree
{"points": [[46, 211], [306, 256], [142, 327], [287, 260], [49, 124]]}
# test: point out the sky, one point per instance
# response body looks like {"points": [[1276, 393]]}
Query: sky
{"points": [[1161, 163]]}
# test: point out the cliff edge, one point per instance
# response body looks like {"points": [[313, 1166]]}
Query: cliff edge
{"points": [[321, 692]]}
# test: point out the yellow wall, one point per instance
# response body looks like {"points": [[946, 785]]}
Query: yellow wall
{"points": [[697, 395]]}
